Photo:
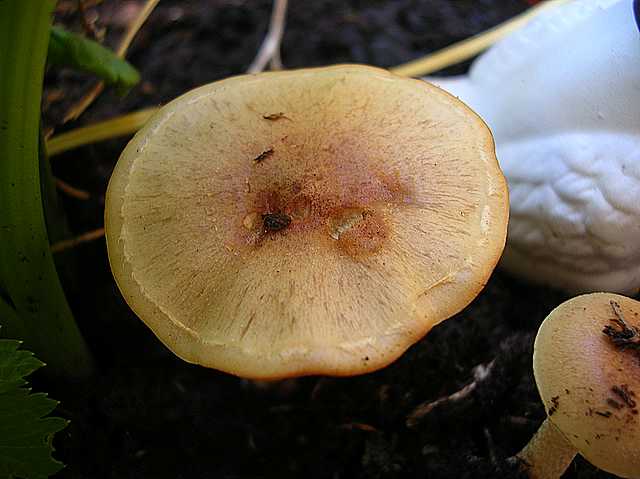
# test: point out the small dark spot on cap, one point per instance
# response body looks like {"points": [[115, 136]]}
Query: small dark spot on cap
{"points": [[276, 221], [606, 414], [625, 394], [614, 404], [263, 156]]}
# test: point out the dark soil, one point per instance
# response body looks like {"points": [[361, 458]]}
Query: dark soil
{"points": [[147, 414]]}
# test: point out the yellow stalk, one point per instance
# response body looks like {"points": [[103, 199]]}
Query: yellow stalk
{"points": [[119, 126]]}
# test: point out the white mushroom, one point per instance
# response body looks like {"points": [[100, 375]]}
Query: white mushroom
{"points": [[562, 97]]}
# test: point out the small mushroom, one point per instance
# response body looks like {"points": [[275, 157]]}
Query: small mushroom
{"points": [[378, 212], [586, 363]]}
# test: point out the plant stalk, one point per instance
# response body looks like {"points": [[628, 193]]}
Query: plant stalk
{"points": [[27, 270]]}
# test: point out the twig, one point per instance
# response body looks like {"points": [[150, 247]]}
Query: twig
{"points": [[270, 48], [135, 26], [461, 51], [436, 61], [360, 426], [276, 61], [104, 130], [89, 26], [77, 109], [73, 242], [72, 191], [480, 373]]}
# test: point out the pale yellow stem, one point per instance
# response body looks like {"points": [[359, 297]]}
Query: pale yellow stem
{"points": [[104, 130], [548, 453]]}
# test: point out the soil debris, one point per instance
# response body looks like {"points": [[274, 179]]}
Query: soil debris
{"points": [[625, 395], [614, 404], [276, 221], [263, 156], [276, 116], [480, 373], [623, 336]]}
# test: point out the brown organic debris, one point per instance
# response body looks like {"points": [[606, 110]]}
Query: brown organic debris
{"points": [[480, 373], [624, 336], [276, 116], [78, 240], [606, 414], [359, 426], [625, 394], [263, 156], [276, 221], [614, 404]]}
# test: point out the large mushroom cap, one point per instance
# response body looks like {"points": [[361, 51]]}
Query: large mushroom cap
{"points": [[315, 221], [587, 368]]}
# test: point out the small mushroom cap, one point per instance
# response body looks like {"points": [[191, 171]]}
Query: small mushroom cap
{"points": [[315, 221], [589, 385]]}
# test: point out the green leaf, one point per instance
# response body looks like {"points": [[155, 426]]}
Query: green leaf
{"points": [[75, 51], [25, 434]]}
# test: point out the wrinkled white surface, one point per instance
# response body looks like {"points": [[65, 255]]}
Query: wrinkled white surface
{"points": [[562, 97]]}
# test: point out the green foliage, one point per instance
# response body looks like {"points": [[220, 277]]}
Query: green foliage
{"points": [[34, 302], [75, 51], [25, 434]]}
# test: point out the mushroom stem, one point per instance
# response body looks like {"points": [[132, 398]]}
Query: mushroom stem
{"points": [[548, 453]]}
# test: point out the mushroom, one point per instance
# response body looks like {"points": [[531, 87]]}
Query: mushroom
{"points": [[563, 109], [586, 363], [317, 221]]}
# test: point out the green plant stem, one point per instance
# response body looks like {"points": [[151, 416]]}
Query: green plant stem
{"points": [[27, 271], [9, 318]]}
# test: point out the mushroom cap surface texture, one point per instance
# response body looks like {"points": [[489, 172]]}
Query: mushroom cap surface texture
{"points": [[589, 384], [316, 221]]}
